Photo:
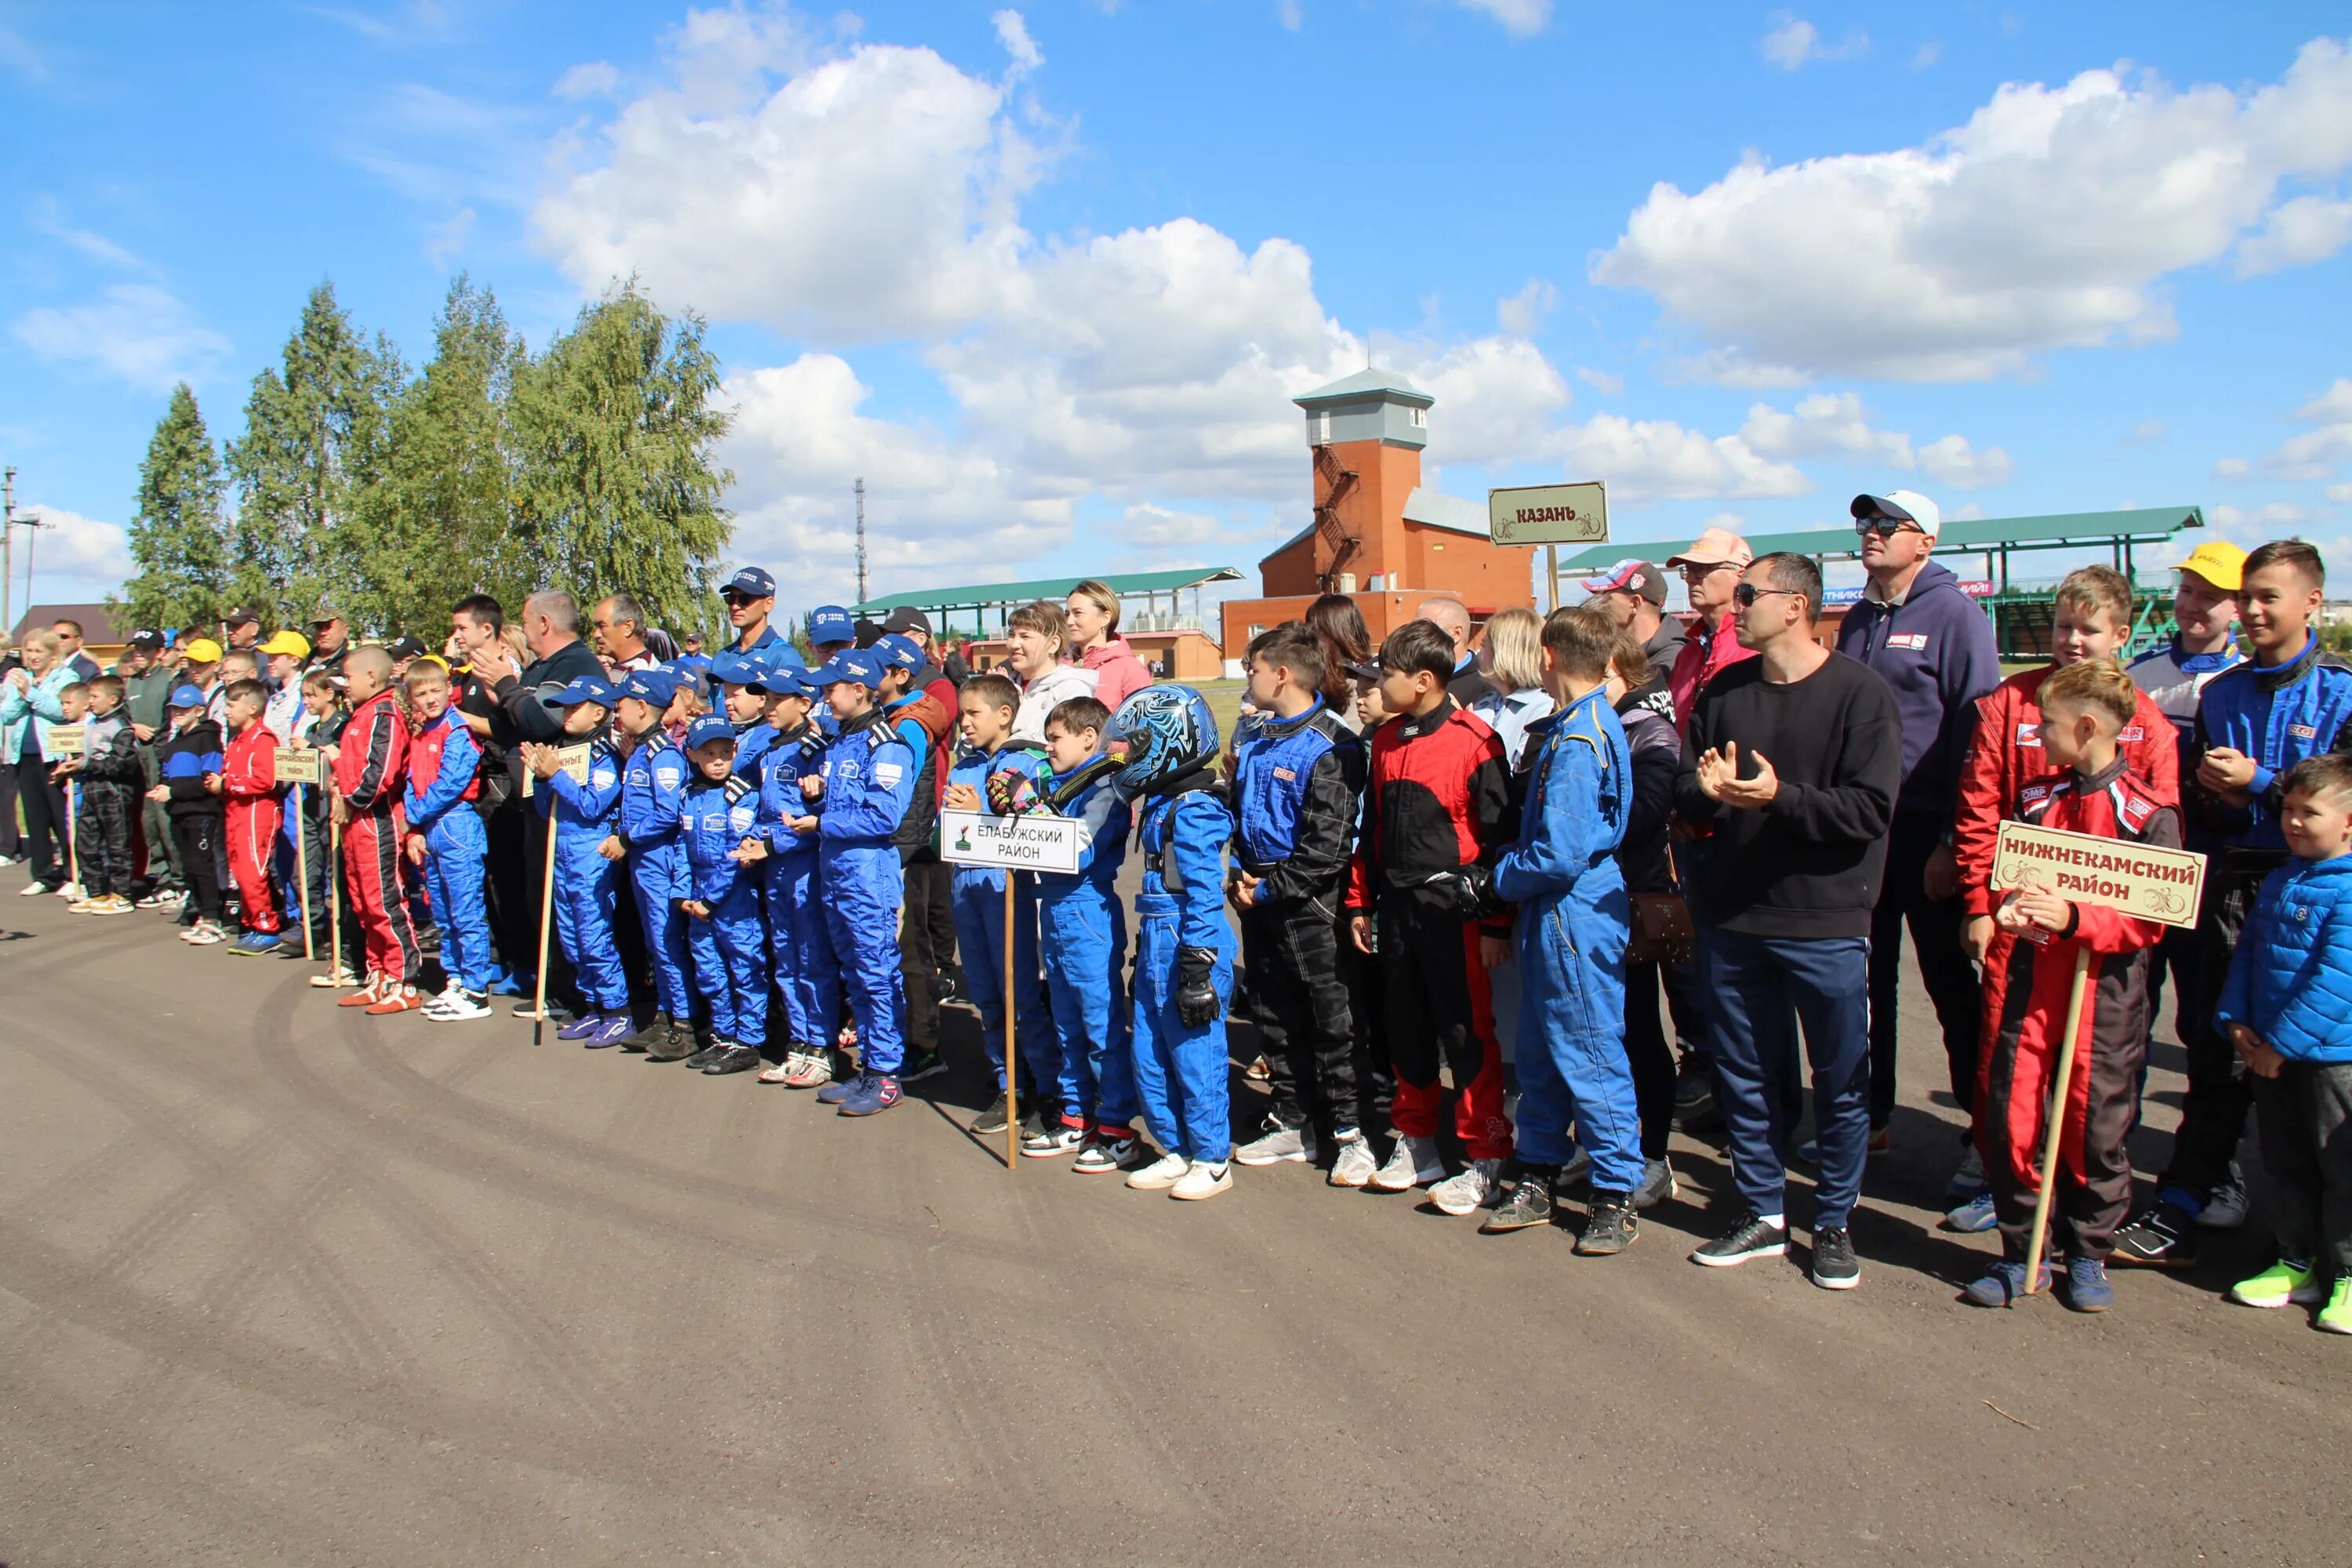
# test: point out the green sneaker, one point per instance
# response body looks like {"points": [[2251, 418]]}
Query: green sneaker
{"points": [[2336, 1317], [2281, 1284]]}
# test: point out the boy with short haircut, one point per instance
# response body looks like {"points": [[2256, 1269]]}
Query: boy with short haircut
{"points": [[1299, 786], [1082, 932], [250, 782], [1183, 943], [808, 987], [859, 795], [717, 814], [2292, 699], [983, 779], [237, 664], [738, 684], [1437, 814], [925, 726], [111, 775], [2286, 1009], [371, 755], [189, 765], [2028, 980], [650, 834], [1562, 873], [448, 841], [587, 884]]}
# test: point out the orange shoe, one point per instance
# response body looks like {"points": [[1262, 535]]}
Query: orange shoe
{"points": [[396, 999], [367, 995]]}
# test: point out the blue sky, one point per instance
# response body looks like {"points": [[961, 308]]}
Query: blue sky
{"points": [[1046, 277]]}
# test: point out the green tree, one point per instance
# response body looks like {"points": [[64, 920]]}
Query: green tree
{"points": [[316, 434], [178, 542], [617, 486]]}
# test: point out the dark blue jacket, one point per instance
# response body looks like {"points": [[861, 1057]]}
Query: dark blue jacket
{"points": [[2278, 716], [2291, 976], [1935, 650], [1299, 786]]}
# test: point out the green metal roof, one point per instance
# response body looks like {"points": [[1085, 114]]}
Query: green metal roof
{"points": [[2060, 531], [989, 596]]}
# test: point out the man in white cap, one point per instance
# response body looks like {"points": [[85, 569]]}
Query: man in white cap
{"points": [[1929, 641], [1634, 592], [1710, 569]]}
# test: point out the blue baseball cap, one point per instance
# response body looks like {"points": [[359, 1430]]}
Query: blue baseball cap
{"points": [[753, 583], [657, 686], [898, 651], [587, 689], [856, 665], [186, 696], [784, 681], [708, 728], [736, 669], [831, 623]]}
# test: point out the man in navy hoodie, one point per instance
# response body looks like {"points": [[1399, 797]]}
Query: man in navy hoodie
{"points": [[1930, 642]]}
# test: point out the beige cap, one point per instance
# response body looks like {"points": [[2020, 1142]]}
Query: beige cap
{"points": [[1716, 547]]}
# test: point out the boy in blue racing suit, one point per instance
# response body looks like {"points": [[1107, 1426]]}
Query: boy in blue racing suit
{"points": [[717, 814], [587, 884], [807, 988], [649, 834]]}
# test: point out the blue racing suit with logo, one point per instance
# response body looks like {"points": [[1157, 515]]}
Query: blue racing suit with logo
{"points": [[730, 946], [752, 743], [2276, 715], [588, 886], [1181, 1067], [1082, 932], [869, 781], [441, 808], [650, 787], [807, 983], [1562, 873], [976, 895]]}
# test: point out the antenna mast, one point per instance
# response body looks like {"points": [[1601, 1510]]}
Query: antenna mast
{"points": [[861, 540]]}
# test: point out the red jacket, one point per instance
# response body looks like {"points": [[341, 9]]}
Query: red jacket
{"points": [[250, 770], [2006, 752], [1439, 800], [1704, 656], [372, 757]]}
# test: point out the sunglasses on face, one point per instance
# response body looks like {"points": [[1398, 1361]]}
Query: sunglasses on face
{"points": [[1885, 527], [1747, 593]]}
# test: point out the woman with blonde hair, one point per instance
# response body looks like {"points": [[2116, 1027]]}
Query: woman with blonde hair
{"points": [[1092, 615], [29, 709], [1511, 656]]}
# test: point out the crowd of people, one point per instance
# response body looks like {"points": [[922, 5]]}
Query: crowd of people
{"points": [[1466, 861]]}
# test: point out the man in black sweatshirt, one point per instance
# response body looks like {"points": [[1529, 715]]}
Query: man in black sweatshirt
{"points": [[1790, 770]]}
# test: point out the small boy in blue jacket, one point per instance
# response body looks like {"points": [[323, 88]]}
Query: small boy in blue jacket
{"points": [[1184, 945], [1082, 930], [587, 885], [808, 990], [716, 812], [983, 776], [2286, 1007], [446, 840], [649, 836]]}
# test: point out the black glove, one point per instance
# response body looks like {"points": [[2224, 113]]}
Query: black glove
{"points": [[1196, 985], [1469, 891]]}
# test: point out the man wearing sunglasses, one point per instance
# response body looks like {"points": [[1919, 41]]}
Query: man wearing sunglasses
{"points": [[1710, 569], [750, 596], [1934, 647]]}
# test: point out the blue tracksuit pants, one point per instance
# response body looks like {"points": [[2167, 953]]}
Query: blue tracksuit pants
{"points": [[980, 942], [862, 892], [730, 951], [454, 850], [1181, 1070], [655, 878], [587, 901], [1083, 936], [1571, 1047], [805, 983]]}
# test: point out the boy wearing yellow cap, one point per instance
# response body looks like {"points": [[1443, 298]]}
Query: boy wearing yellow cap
{"points": [[282, 658]]}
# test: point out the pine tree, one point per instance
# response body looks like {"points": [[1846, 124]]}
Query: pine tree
{"points": [[178, 542], [617, 486]]}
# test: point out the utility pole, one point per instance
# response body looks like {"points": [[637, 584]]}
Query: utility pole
{"points": [[861, 540]]}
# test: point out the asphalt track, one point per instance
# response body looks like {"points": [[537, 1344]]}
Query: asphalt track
{"points": [[282, 1284]]}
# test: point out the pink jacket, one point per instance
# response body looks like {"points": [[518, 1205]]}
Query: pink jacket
{"points": [[1118, 674], [1704, 656]]}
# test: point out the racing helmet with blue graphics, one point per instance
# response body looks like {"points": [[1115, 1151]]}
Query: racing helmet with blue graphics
{"points": [[1168, 732]]}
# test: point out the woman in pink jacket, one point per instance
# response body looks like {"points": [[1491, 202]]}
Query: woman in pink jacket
{"points": [[1095, 643]]}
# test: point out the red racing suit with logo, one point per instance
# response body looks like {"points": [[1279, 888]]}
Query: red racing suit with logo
{"points": [[2027, 984], [370, 768], [250, 785], [2006, 754]]}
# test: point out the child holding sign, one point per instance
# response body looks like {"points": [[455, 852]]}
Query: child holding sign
{"points": [[2287, 1009], [2029, 979]]}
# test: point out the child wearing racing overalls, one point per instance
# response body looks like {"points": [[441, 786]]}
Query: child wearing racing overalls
{"points": [[649, 833], [808, 989], [716, 813], [587, 884], [448, 841], [250, 787]]}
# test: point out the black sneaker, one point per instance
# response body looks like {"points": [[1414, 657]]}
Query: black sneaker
{"points": [[990, 1120], [1529, 1203], [656, 1028], [1834, 1268], [921, 1064], [2163, 1236], [1609, 1226], [710, 1053], [676, 1045], [1751, 1237], [1694, 1110], [1657, 1184], [732, 1059]]}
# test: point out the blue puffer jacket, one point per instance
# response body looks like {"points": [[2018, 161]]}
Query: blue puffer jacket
{"points": [[2291, 978]]}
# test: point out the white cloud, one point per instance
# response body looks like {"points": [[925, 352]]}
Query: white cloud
{"points": [[1520, 18], [1794, 41], [2340, 493], [2306, 229], [2260, 522], [1290, 14], [1524, 311], [92, 556], [2147, 430], [1953, 462], [46, 217], [1014, 33], [2049, 220], [590, 79], [1601, 381], [1821, 424], [1654, 459], [443, 241], [2332, 406], [1925, 56], [2232, 469], [136, 331], [2315, 453]]}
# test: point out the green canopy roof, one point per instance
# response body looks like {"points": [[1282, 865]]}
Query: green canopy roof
{"points": [[2060, 531], [989, 596]]}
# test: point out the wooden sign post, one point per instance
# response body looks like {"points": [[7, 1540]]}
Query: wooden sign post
{"points": [[63, 744], [299, 767], [572, 763], [2138, 879], [1012, 844]]}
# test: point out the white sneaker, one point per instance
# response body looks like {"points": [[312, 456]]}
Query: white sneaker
{"points": [[1413, 1163], [1969, 1179], [31, 890], [1354, 1165], [1160, 1174], [1203, 1181], [2226, 1209], [1478, 1186], [204, 933], [447, 1010], [338, 976], [73, 891], [1278, 1145]]}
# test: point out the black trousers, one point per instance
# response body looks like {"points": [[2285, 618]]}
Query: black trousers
{"points": [[926, 880], [12, 841], [1649, 1054], [44, 814], [2304, 1118], [197, 840], [1944, 968], [1306, 1018], [102, 837], [2213, 1111]]}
